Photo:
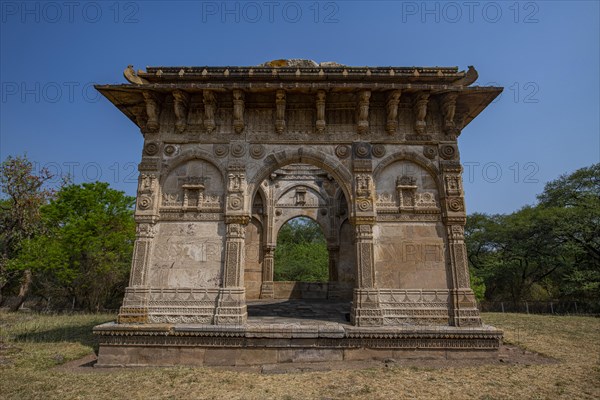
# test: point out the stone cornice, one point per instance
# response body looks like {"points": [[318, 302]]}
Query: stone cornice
{"points": [[178, 85]]}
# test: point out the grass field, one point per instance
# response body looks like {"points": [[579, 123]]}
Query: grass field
{"points": [[33, 345]]}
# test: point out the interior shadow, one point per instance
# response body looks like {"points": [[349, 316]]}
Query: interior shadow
{"points": [[302, 309]]}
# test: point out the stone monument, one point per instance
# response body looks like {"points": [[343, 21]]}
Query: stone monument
{"points": [[232, 153]]}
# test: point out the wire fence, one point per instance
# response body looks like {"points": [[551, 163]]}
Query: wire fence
{"points": [[541, 307]]}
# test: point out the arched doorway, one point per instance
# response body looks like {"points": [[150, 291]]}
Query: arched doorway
{"points": [[299, 215], [301, 260]]}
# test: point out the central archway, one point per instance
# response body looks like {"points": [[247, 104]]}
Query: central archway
{"points": [[301, 261], [299, 199]]}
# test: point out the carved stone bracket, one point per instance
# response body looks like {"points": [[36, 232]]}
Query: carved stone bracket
{"points": [[320, 124], [153, 103], [363, 111], [420, 110], [448, 102], [181, 102], [280, 103], [391, 106], [210, 109], [238, 110]]}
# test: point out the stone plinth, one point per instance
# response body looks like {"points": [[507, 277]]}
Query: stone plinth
{"points": [[253, 344]]}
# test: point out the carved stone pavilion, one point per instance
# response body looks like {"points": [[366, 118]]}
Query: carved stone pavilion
{"points": [[232, 153]]}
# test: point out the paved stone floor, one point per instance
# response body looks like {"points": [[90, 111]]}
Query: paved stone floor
{"points": [[303, 312]]}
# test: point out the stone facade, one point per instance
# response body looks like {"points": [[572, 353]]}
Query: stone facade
{"points": [[232, 153]]}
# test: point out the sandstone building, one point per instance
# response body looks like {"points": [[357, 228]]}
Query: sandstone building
{"points": [[232, 153]]}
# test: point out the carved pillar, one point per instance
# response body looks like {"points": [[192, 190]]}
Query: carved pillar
{"points": [[210, 107], [420, 111], [463, 304], [363, 111], [365, 306], [333, 252], [320, 124], [153, 102], [391, 106], [238, 110], [231, 304], [181, 101], [366, 310], [280, 102], [234, 252], [266, 289], [135, 302]]}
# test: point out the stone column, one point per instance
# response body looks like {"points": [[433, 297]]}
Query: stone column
{"points": [[462, 302], [266, 288], [231, 303], [333, 251], [366, 310], [135, 302]]}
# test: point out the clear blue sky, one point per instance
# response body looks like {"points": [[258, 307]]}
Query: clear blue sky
{"points": [[545, 54]]}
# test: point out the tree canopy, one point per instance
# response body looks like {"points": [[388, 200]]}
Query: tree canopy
{"points": [[547, 251], [301, 252], [84, 257]]}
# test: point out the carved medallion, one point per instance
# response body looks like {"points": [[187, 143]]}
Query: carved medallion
{"points": [[235, 202], [151, 148], [430, 152], [144, 202], [363, 204], [220, 150], [238, 150], [170, 150], [342, 151], [362, 150], [456, 204], [447, 151], [378, 150], [257, 151]]}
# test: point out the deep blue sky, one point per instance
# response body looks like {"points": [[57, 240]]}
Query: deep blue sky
{"points": [[545, 54]]}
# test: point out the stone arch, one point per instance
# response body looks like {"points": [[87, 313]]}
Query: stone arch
{"points": [[195, 154], [415, 158], [303, 156], [286, 189], [277, 227]]}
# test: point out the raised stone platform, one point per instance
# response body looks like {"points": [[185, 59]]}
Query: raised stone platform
{"points": [[287, 331]]}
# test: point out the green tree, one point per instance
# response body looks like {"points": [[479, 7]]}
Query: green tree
{"points": [[301, 252], [22, 194], [85, 256], [547, 251], [571, 204]]}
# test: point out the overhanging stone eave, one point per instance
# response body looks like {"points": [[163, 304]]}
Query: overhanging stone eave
{"points": [[117, 100], [477, 99], [292, 86]]}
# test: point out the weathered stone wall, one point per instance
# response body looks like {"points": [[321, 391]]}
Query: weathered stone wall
{"points": [[231, 154]]}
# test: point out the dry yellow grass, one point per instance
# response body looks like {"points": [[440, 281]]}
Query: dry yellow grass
{"points": [[32, 345]]}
